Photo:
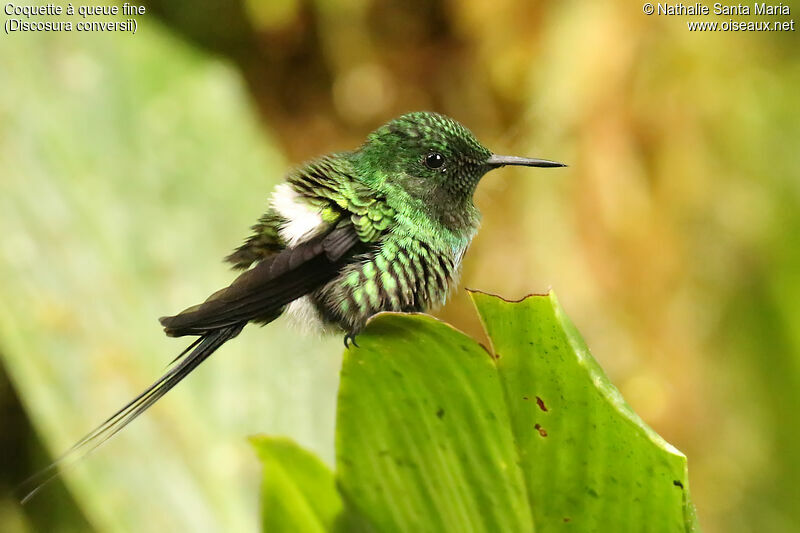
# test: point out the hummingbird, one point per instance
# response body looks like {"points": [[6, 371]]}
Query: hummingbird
{"points": [[346, 236]]}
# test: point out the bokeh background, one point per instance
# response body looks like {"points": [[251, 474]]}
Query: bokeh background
{"points": [[130, 164]]}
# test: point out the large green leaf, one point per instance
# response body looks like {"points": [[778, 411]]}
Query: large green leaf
{"points": [[588, 460], [423, 433], [434, 433], [129, 168]]}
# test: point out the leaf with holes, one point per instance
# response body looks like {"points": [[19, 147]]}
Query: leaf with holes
{"points": [[589, 462], [436, 434]]}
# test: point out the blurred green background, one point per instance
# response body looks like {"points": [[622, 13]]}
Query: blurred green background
{"points": [[130, 164]]}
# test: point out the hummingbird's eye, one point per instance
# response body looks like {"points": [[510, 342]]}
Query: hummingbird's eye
{"points": [[434, 160]]}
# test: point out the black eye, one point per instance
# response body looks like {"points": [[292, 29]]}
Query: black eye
{"points": [[434, 160]]}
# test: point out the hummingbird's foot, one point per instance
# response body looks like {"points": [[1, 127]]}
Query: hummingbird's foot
{"points": [[350, 338]]}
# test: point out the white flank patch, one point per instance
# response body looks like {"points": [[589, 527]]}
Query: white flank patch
{"points": [[303, 315], [302, 220]]}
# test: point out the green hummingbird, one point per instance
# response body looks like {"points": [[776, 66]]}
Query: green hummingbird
{"points": [[347, 235]]}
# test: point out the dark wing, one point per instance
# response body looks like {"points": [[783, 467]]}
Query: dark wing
{"points": [[264, 242], [265, 289]]}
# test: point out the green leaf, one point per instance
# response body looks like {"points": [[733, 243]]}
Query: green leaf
{"points": [[588, 460], [436, 434], [298, 492], [108, 170], [424, 440]]}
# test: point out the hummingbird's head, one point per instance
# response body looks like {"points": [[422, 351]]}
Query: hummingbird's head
{"points": [[432, 158]]}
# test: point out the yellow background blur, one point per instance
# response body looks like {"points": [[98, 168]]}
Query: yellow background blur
{"points": [[130, 164]]}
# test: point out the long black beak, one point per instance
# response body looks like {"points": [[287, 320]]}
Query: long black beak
{"points": [[496, 161]]}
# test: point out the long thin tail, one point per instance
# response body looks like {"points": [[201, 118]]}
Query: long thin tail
{"points": [[190, 358]]}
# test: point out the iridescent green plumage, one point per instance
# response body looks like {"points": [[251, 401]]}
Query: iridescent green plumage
{"points": [[382, 228], [415, 221]]}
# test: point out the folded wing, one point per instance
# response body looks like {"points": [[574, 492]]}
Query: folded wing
{"points": [[262, 292]]}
